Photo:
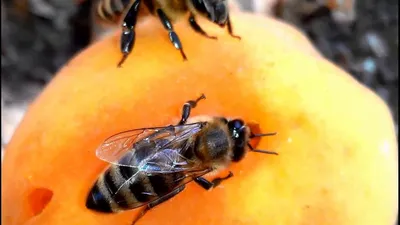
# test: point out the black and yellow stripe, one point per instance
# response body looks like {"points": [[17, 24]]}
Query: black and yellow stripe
{"points": [[123, 188]]}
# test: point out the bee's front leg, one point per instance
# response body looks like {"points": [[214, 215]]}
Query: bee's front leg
{"points": [[196, 27], [230, 29], [211, 184], [173, 37], [187, 107], [128, 31]]}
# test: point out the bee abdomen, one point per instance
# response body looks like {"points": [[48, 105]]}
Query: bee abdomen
{"points": [[147, 188], [111, 193], [164, 183], [122, 188], [98, 201], [111, 10]]}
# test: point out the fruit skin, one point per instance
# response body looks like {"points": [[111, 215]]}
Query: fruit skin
{"points": [[337, 147]]}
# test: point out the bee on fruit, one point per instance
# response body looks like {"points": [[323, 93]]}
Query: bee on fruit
{"points": [[168, 11], [151, 165]]}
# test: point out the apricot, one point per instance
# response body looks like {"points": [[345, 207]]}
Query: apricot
{"points": [[337, 161]]}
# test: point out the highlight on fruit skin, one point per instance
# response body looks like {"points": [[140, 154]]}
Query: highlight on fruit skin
{"points": [[337, 160]]}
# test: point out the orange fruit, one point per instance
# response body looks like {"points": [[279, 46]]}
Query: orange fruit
{"points": [[336, 141]]}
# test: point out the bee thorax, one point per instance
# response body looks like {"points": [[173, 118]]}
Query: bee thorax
{"points": [[213, 145]]}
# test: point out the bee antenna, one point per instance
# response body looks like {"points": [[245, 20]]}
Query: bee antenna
{"points": [[261, 151], [252, 135]]}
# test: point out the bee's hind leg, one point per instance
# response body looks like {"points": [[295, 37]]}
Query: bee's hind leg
{"points": [[187, 107], [173, 37], [128, 31], [196, 27], [157, 202], [211, 184]]}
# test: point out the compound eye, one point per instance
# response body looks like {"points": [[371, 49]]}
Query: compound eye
{"points": [[237, 124], [235, 127]]}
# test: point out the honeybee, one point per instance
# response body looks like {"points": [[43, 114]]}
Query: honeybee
{"points": [[151, 165], [168, 11]]}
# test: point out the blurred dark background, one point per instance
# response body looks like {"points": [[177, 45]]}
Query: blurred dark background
{"points": [[39, 36]]}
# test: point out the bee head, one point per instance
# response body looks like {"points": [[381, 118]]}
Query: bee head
{"points": [[239, 134], [215, 10]]}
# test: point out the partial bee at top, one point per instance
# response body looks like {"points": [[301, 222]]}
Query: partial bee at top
{"points": [[168, 11]]}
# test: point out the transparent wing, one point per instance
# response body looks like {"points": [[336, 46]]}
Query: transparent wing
{"points": [[114, 148], [140, 147], [180, 179], [168, 160]]}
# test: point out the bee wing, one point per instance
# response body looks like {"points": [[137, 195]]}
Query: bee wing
{"points": [[134, 148], [180, 180], [169, 160]]}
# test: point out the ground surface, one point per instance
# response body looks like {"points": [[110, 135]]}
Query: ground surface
{"points": [[39, 37]]}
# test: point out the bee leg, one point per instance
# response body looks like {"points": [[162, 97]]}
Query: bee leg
{"points": [[173, 37], [230, 30], [187, 107], [157, 202], [128, 31], [211, 184], [196, 27]]}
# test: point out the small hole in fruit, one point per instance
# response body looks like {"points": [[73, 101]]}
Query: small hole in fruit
{"points": [[38, 199]]}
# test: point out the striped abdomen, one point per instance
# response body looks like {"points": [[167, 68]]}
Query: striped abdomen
{"points": [[111, 10], [122, 187], [141, 189]]}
